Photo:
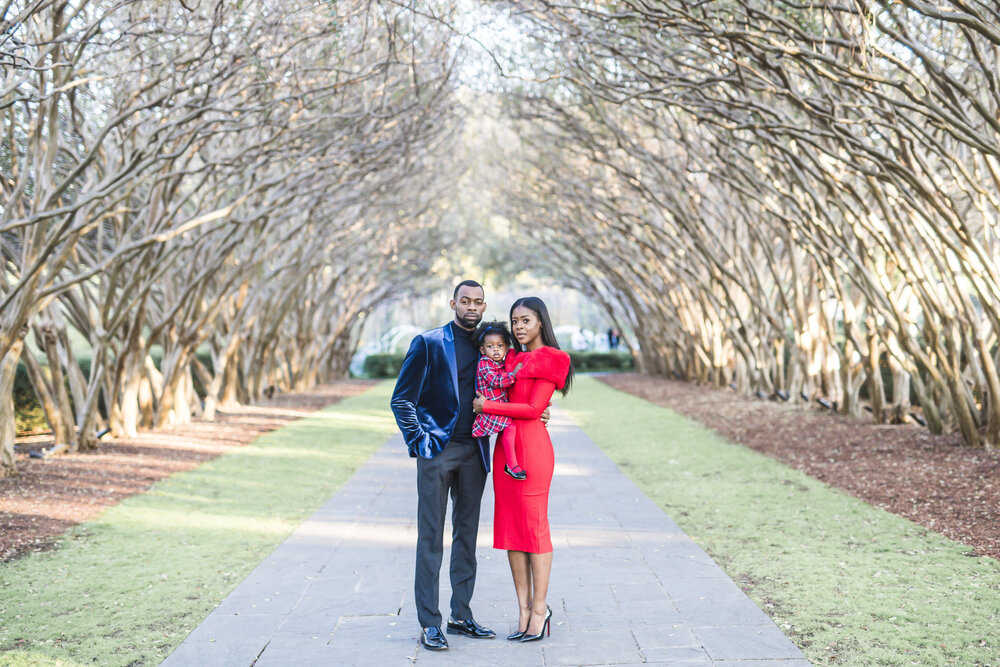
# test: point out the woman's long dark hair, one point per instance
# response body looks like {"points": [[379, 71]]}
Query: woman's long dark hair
{"points": [[548, 334]]}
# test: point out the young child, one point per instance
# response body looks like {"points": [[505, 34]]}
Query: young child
{"points": [[492, 382]]}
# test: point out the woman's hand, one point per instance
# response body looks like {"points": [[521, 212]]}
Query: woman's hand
{"points": [[477, 404]]}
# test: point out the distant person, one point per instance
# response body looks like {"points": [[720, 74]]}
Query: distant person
{"points": [[613, 338], [492, 382], [579, 340], [521, 516]]}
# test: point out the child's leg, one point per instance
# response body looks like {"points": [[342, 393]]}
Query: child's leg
{"points": [[507, 440]]}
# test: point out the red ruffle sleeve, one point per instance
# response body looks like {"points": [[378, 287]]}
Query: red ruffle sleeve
{"points": [[545, 363]]}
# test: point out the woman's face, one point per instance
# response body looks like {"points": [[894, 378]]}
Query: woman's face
{"points": [[526, 327]]}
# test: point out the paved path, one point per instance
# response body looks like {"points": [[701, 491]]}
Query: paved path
{"points": [[628, 586]]}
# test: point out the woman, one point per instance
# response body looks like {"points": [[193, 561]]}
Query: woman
{"points": [[521, 522]]}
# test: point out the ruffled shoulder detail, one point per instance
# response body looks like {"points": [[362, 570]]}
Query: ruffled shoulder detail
{"points": [[546, 363]]}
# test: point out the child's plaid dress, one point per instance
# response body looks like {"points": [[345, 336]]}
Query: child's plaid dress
{"points": [[491, 382]]}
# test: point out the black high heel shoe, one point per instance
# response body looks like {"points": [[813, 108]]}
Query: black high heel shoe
{"points": [[514, 636], [520, 474], [545, 629]]}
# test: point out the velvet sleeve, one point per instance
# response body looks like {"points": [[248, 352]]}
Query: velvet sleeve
{"points": [[407, 392], [541, 394]]}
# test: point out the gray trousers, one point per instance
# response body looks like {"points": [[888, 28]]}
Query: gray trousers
{"points": [[456, 471]]}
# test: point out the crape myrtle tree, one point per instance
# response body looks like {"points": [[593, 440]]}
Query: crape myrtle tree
{"points": [[232, 176], [779, 196]]}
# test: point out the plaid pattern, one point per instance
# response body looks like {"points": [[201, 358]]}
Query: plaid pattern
{"points": [[491, 382]]}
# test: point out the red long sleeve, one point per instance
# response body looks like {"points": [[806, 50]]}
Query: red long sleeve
{"points": [[541, 394]]}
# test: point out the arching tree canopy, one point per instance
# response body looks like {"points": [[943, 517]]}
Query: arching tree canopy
{"points": [[778, 196], [781, 196]]}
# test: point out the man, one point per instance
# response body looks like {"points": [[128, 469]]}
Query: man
{"points": [[432, 403]]}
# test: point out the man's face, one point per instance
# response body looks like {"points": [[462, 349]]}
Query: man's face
{"points": [[469, 305]]}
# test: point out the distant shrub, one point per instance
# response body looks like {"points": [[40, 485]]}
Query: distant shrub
{"points": [[28, 414], [387, 365], [601, 362]]}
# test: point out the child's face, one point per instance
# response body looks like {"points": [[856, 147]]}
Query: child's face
{"points": [[494, 347]]}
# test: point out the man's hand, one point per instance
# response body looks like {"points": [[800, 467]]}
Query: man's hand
{"points": [[545, 416], [477, 403]]}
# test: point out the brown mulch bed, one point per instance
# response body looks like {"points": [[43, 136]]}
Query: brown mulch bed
{"points": [[47, 497], [933, 480]]}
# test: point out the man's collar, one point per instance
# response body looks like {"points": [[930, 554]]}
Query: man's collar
{"points": [[457, 330]]}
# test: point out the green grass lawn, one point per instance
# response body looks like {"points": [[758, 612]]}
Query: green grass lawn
{"points": [[128, 587], [849, 583]]}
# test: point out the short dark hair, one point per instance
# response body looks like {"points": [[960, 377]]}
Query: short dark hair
{"points": [[494, 328], [466, 283]]}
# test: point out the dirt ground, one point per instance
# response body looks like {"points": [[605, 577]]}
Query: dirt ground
{"points": [[48, 496], [935, 481]]}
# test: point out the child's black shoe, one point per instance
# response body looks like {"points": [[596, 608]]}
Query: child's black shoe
{"points": [[517, 473]]}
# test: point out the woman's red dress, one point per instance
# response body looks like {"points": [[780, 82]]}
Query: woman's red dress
{"points": [[521, 514]]}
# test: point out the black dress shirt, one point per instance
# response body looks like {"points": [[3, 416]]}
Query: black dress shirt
{"points": [[466, 360]]}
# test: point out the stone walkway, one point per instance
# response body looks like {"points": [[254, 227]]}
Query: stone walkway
{"points": [[628, 586]]}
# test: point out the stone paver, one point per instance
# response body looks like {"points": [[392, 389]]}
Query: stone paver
{"points": [[628, 586]]}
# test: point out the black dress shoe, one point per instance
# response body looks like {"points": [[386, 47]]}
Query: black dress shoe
{"points": [[469, 628], [433, 639]]}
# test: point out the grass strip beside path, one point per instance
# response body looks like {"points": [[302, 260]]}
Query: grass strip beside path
{"points": [[849, 583], [129, 586]]}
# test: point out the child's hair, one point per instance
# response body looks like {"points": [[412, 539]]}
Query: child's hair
{"points": [[494, 328]]}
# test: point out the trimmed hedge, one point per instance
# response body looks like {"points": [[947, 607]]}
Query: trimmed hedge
{"points": [[383, 365], [387, 365], [601, 362]]}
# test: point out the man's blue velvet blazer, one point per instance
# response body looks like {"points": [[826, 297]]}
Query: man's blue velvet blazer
{"points": [[425, 401]]}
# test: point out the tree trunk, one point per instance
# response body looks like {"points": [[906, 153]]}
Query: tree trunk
{"points": [[150, 391], [960, 405], [991, 438], [77, 381], [220, 388], [60, 392], [8, 371], [87, 414], [125, 418], [931, 413], [42, 386], [206, 379], [876, 388], [194, 401], [174, 406], [851, 378], [229, 397], [900, 391]]}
